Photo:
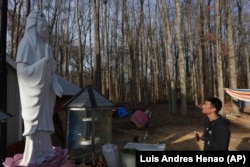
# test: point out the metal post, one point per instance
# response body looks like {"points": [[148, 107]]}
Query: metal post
{"points": [[3, 76]]}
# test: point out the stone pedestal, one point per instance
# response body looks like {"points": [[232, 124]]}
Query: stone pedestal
{"points": [[61, 159]]}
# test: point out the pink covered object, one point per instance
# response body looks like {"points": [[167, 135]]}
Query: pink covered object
{"points": [[139, 118], [59, 160]]}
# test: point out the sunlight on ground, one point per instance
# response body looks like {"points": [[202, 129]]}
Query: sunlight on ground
{"points": [[168, 137], [177, 132], [184, 138]]}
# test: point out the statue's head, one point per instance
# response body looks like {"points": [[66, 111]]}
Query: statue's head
{"points": [[37, 23]]}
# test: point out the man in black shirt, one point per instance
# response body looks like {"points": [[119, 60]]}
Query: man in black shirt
{"points": [[216, 134]]}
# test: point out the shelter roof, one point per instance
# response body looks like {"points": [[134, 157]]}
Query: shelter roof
{"points": [[69, 89], [88, 98]]}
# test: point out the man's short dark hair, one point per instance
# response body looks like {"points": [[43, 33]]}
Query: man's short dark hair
{"points": [[216, 102]]}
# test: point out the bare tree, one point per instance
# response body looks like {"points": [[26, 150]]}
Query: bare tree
{"points": [[90, 60], [106, 72], [218, 51], [68, 42], [146, 51], [168, 41], [17, 28], [80, 52], [97, 73], [132, 62], [13, 14], [153, 52], [143, 56], [241, 45], [201, 49], [231, 54], [181, 61], [28, 8], [191, 53], [246, 51], [120, 81]]}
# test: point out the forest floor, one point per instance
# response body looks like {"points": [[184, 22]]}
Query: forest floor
{"points": [[176, 131]]}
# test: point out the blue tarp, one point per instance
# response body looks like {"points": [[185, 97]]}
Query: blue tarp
{"points": [[122, 112]]}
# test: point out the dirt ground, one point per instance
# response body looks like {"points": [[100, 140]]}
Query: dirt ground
{"points": [[176, 131]]}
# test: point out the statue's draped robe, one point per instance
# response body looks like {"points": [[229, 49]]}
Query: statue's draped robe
{"points": [[37, 99]]}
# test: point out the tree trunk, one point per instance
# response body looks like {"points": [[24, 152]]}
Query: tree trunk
{"points": [[247, 66], [144, 57], [181, 61], [107, 90], [132, 63], [97, 70], [168, 41], [90, 46], [121, 91], [218, 53], [80, 53], [191, 52], [27, 12], [231, 55], [67, 48], [201, 51]]}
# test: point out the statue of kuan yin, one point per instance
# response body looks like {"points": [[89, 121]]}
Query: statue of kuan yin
{"points": [[38, 88]]}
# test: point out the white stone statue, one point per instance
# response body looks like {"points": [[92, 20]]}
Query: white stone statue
{"points": [[38, 88]]}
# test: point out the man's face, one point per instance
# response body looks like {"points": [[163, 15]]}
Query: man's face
{"points": [[208, 108], [42, 28]]}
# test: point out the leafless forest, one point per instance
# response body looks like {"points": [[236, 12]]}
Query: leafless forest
{"points": [[145, 51]]}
